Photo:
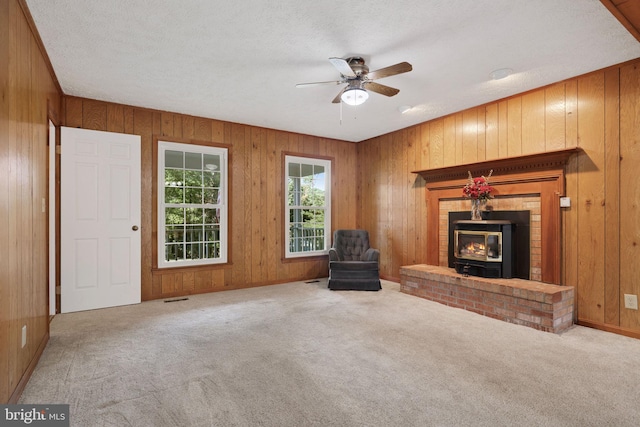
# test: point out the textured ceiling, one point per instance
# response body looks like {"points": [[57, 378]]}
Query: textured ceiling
{"points": [[239, 60]]}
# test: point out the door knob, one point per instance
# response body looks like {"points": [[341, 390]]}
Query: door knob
{"points": [[134, 228]]}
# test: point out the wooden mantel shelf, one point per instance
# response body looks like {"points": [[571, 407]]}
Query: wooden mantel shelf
{"points": [[507, 165]]}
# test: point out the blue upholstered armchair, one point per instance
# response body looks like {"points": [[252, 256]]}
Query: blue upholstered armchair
{"points": [[353, 264]]}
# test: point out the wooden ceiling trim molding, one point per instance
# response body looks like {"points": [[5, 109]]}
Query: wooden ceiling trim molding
{"points": [[43, 51], [627, 12]]}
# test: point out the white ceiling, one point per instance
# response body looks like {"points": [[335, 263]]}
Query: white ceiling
{"points": [[239, 60]]}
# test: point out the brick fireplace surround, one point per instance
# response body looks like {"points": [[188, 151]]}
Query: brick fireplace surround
{"points": [[534, 182]]}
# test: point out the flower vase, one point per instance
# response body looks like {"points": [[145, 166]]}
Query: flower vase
{"points": [[476, 213]]}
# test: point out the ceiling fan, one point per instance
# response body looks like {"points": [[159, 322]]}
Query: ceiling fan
{"points": [[355, 73]]}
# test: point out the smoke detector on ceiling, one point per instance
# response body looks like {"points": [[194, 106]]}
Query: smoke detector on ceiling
{"points": [[500, 73]]}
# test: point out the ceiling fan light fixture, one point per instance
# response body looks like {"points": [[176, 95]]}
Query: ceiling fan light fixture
{"points": [[354, 96]]}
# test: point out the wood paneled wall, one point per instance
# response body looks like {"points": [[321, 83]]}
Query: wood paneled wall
{"points": [[256, 208], [599, 112], [29, 95]]}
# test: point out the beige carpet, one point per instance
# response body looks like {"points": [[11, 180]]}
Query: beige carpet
{"points": [[300, 355]]}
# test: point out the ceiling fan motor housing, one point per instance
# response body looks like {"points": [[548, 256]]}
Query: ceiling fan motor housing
{"points": [[354, 84], [358, 66]]}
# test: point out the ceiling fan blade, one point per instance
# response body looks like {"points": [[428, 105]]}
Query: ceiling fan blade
{"points": [[337, 99], [342, 66], [381, 89], [392, 70], [333, 82]]}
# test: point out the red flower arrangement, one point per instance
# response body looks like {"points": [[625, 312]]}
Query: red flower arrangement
{"points": [[478, 188]]}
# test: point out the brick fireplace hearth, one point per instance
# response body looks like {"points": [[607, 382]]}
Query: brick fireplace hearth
{"points": [[524, 302]]}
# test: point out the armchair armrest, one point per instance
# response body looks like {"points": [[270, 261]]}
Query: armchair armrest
{"points": [[333, 255], [371, 255]]}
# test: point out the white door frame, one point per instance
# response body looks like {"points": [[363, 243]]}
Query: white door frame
{"points": [[52, 218]]}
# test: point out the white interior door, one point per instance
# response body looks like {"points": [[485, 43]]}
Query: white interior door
{"points": [[100, 219]]}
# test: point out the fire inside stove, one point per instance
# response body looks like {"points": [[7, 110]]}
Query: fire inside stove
{"points": [[473, 249]]}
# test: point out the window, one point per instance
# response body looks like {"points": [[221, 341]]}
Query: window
{"points": [[308, 206], [192, 204]]}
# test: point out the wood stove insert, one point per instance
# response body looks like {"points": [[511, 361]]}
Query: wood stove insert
{"points": [[484, 248], [521, 241]]}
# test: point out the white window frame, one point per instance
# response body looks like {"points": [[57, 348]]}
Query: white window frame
{"points": [[314, 161], [221, 206]]}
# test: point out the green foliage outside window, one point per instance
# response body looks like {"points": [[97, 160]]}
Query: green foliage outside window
{"points": [[304, 192], [192, 231]]}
